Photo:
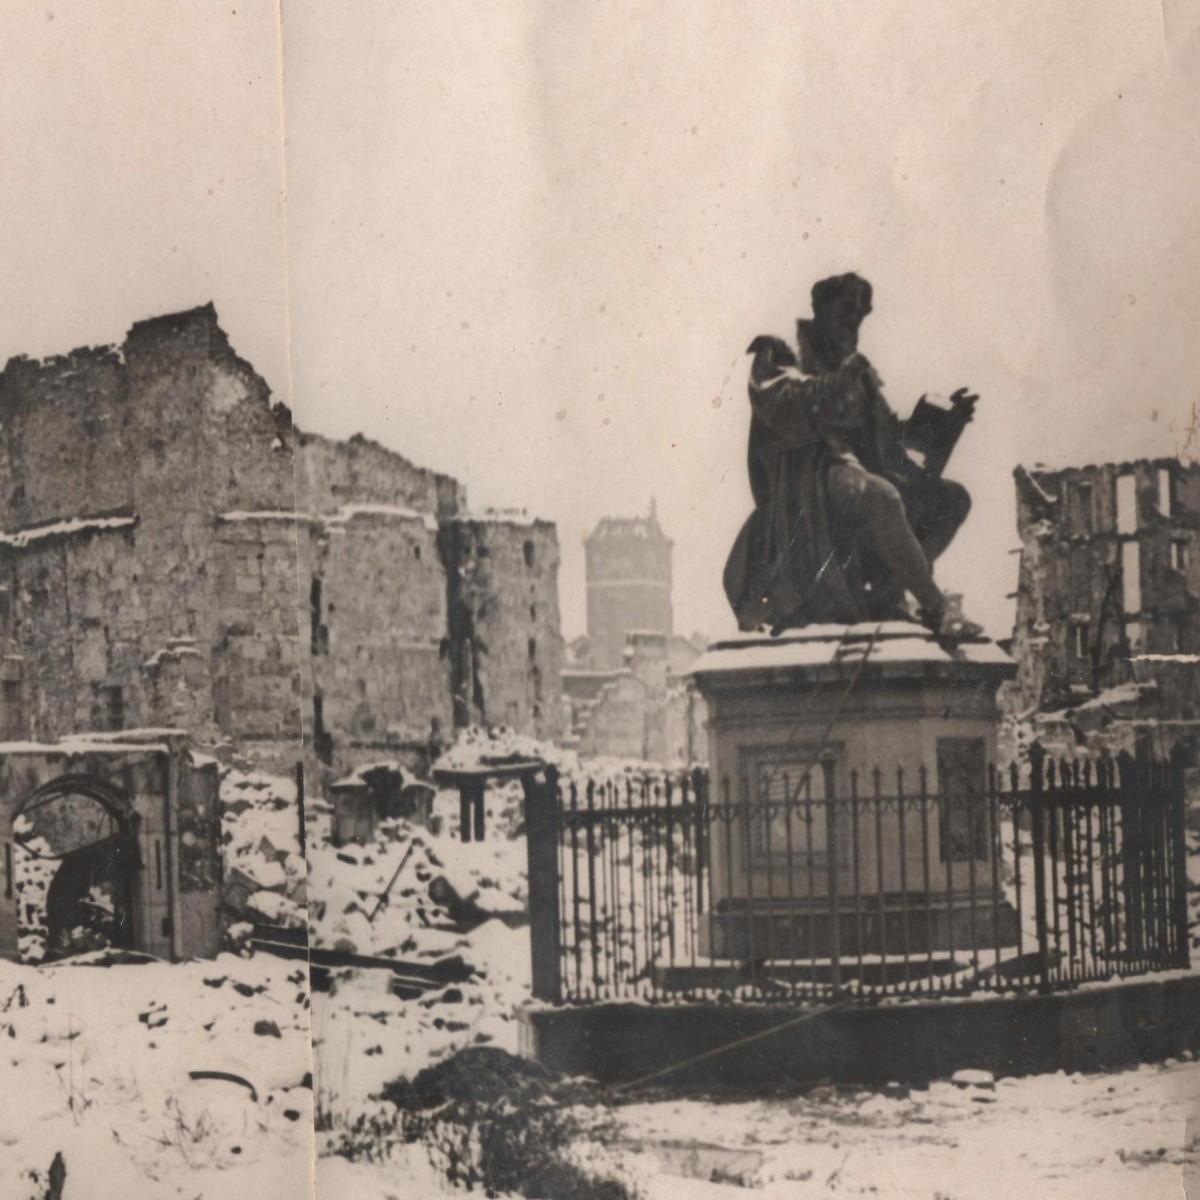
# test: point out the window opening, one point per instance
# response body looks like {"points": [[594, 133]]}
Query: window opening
{"points": [[1127, 516]]}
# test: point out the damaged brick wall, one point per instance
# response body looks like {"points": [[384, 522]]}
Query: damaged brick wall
{"points": [[257, 658], [116, 466], [1109, 578], [648, 710], [151, 791], [505, 643], [331, 474], [377, 633], [174, 554]]}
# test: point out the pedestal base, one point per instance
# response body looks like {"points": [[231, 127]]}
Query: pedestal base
{"points": [[852, 811]]}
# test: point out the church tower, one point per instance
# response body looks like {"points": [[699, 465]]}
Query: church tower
{"points": [[628, 566]]}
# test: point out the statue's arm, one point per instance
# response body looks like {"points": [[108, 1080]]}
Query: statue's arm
{"points": [[801, 409]]}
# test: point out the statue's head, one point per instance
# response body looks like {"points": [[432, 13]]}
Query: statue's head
{"points": [[840, 303]]}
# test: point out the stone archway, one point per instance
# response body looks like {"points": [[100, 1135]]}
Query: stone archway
{"points": [[76, 861]]}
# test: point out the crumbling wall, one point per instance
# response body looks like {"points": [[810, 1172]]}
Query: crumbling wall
{"points": [[684, 720], [256, 653], [115, 468], [505, 642], [70, 628], [165, 561], [331, 474], [65, 442], [377, 633], [1109, 576], [616, 726], [161, 797], [645, 711]]}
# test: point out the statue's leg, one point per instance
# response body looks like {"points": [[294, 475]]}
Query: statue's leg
{"points": [[936, 510], [866, 507]]}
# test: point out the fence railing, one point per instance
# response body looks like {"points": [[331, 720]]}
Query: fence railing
{"points": [[812, 885]]}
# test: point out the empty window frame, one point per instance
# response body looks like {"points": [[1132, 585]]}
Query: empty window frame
{"points": [[1082, 640], [1126, 502], [1164, 491], [1131, 577]]}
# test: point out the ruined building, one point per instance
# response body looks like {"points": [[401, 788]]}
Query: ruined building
{"points": [[181, 569], [625, 684], [647, 709], [175, 554], [628, 573], [1108, 605]]}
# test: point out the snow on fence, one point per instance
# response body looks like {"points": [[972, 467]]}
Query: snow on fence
{"points": [[780, 887]]}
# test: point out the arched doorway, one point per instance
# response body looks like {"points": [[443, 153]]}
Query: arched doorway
{"points": [[75, 862]]}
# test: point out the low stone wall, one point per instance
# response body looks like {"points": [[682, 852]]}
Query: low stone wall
{"points": [[1087, 1030]]}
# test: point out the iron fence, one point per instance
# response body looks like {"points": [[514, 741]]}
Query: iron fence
{"points": [[804, 884]]}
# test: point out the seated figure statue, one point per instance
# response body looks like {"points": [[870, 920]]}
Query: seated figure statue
{"points": [[845, 521]]}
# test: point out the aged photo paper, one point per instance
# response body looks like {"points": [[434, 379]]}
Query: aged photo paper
{"points": [[599, 600]]}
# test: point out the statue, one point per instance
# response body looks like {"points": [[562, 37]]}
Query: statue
{"points": [[845, 521]]}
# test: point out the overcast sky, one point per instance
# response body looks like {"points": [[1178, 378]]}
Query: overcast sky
{"points": [[528, 243]]}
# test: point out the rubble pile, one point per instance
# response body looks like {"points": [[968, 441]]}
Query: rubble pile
{"points": [[411, 892], [33, 870], [265, 874], [479, 746]]}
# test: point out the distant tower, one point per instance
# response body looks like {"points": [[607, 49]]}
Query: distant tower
{"points": [[628, 563]]}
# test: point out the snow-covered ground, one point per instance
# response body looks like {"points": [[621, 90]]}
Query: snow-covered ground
{"points": [[1130, 1135], [1124, 1135], [363, 1035], [96, 1063], [348, 883]]}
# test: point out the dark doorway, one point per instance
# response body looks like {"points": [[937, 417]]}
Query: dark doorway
{"points": [[75, 864]]}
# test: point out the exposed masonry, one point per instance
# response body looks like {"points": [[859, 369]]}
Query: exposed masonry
{"points": [[648, 709], [174, 553], [1109, 593]]}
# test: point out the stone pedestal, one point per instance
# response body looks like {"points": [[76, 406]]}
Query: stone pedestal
{"points": [[850, 769]]}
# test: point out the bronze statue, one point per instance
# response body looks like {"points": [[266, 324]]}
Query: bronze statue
{"points": [[845, 521]]}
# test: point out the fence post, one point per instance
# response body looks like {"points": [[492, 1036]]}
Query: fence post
{"points": [[700, 804], [541, 836], [1177, 798], [1037, 757], [1131, 798], [832, 862]]}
